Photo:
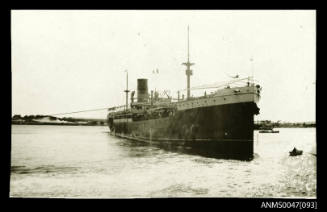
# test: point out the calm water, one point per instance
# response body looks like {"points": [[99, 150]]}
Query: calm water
{"points": [[85, 161]]}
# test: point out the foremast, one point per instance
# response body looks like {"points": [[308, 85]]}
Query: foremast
{"points": [[188, 65]]}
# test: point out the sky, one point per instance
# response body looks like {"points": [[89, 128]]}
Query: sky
{"points": [[72, 60]]}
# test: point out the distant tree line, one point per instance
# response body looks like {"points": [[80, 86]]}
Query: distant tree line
{"points": [[30, 119]]}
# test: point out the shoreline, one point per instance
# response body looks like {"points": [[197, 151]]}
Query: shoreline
{"points": [[61, 124], [77, 124]]}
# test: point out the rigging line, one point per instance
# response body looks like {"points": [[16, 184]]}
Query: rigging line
{"points": [[217, 85], [81, 111]]}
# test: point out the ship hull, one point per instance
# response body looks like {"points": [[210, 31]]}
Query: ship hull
{"points": [[221, 131]]}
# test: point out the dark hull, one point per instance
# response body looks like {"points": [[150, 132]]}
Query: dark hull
{"points": [[224, 131]]}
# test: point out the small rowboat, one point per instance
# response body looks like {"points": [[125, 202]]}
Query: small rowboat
{"points": [[295, 152]]}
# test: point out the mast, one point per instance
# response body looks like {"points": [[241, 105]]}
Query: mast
{"points": [[188, 64], [126, 91]]}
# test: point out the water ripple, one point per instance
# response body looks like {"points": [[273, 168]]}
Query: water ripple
{"points": [[42, 169]]}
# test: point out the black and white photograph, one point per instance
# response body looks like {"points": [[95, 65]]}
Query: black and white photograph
{"points": [[129, 104]]}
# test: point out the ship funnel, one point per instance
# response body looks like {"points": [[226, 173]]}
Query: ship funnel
{"points": [[142, 90]]}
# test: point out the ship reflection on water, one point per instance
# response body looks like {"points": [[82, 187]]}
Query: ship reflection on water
{"points": [[142, 149], [88, 162]]}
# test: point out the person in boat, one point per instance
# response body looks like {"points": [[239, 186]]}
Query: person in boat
{"points": [[295, 152]]}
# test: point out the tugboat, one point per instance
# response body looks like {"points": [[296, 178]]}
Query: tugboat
{"points": [[268, 130]]}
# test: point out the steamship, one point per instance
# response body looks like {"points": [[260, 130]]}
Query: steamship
{"points": [[219, 124]]}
